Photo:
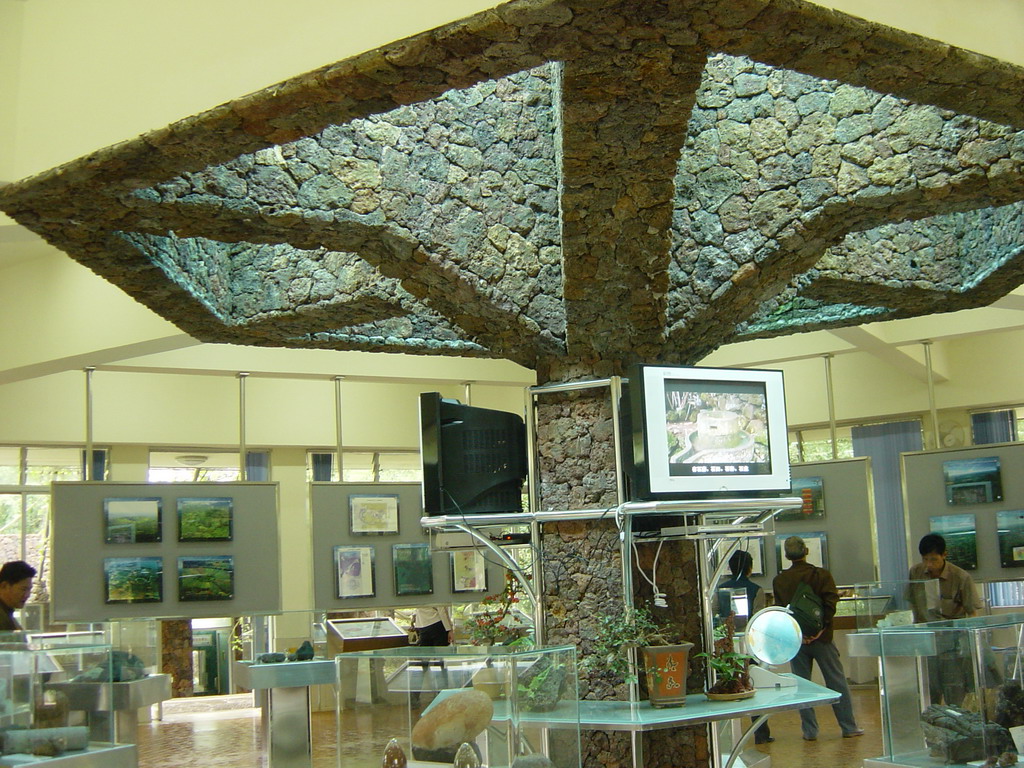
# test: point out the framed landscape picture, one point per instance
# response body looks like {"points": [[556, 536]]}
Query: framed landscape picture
{"points": [[372, 515], [973, 481], [205, 519], [133, 579], [132, 521], [469, 571], [1010, 532], [354, 567], [414, 569], [960, 534], [206, 578], [811, 492]]}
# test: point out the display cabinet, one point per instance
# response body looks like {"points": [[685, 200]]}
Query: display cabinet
{"points": [[889, 603], [506, 704], [56, 704], [951, 691]]}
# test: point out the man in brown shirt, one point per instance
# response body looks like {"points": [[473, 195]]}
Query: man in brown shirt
{"points": [[949, 671], [820, 647]]}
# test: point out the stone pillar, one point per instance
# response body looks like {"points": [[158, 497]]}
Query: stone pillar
{"points": [[583, 569], [176, 655]]}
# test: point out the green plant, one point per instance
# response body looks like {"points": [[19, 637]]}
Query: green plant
{"points": [[618, 633], [730, 668], [498, 623]]}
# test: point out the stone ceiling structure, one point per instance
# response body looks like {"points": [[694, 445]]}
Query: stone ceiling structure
{"points": [[574, 185]]}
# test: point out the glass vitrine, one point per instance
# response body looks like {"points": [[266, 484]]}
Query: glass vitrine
{"points": [[951, 690], [510, 706], [56, 703], [890, 603]]}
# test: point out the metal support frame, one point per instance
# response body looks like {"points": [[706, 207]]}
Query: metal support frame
{"points": [[710, 524], [242, 463]]}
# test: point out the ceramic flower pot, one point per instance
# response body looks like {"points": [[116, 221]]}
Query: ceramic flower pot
{"points": [[666, 668]]}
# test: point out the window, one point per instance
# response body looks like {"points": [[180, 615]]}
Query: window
{"points": [[814, 443], [25, 476], [365, 466], [197, 465], [1004, 425]]}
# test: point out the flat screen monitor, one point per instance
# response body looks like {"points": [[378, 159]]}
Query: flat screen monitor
{"points": [[474, 459], [707, 433]]}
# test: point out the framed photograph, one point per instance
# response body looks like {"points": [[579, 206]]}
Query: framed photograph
{"points": [[469, 571], [961, 536], [817, 548], [132, 521], [133, 579], [812, 494], [206, 578], [372, 515], [1010, 532], [973, 481], [354, 568], [205, 519], [414, 569]]}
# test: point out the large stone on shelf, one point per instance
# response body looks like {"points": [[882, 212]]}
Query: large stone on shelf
{"points": [[457, 719]]}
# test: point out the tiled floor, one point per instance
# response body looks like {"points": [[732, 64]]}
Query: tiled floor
{"points": [[225, 732]]}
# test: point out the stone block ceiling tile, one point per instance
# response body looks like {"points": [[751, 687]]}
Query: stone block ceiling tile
{"points": [[570, 184]]}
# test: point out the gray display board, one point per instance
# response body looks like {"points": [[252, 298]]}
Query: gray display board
{"points": [[926, 495], [100, 528], [333, 506], [848, 522]]}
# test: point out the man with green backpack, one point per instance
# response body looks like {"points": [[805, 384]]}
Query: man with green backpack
{"points": [[811, 594]]}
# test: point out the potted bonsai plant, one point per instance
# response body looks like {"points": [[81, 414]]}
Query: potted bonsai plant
{"points": [[664, 654], [731, 669]]}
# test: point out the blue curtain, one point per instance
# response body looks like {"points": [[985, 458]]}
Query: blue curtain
{"points": [[993, 427], [257, 466], [884, 443], [322, 465], [99, 465]]}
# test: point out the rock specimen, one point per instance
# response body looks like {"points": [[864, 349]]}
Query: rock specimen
{"points": [[271, 658], [28, 740], [466, 757], [305, 652], [394, 757], [959, 736], [457, 719]]}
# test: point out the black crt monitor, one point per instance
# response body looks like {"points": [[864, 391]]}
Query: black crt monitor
{"points": [[474, 459]]}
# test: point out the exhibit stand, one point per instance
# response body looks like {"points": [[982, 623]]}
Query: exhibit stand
{"points": [[283, 687], [40, 717], [717, 527], [943, 702]]}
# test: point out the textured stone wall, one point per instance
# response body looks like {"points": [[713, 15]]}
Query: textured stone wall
{"points": [[778, 166], [583, 567], [176, 654], [472, 176]]}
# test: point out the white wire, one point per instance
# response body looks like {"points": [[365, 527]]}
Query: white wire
{"points": [[659, 597]]}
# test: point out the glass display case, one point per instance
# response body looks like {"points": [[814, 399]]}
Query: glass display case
{"points": [[508, 705], [889, 603], [56, 704], [951, 691]]}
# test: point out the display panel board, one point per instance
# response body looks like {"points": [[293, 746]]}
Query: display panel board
{"points": [[984, 481], [839, 503], [354, 528], [216, 552]]}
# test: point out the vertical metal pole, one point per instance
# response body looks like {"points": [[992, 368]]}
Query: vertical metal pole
{"points": [[243, 473], [467, 388], [533, 504], [337, 426], [616, 396], [88, 424], [927, 344], [831, 404]]}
